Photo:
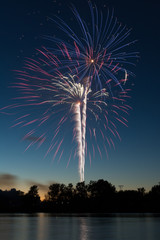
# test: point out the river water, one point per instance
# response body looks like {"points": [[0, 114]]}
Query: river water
{"points": [[43, 226]]}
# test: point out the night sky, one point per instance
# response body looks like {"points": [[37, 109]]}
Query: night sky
{"points": [[136, 160]]}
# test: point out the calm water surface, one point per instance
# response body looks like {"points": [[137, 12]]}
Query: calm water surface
{"points": [[79, 227]]}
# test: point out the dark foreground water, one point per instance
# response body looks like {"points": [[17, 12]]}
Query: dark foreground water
{"points": [[79, 227]]}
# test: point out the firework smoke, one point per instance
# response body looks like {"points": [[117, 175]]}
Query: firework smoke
{"points": [[78, 129]]}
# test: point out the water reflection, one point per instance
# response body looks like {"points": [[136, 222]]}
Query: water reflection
{"points": [[75, 227], [42, 227], [83, 228]]}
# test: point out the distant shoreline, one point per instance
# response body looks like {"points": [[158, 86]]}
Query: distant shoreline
{"points": [[97, 197]]}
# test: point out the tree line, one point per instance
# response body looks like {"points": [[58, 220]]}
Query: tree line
{"points": [[97, 196]]}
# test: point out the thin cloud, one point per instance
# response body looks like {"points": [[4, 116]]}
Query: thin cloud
{"points": [[8, 180], [41, 186]]}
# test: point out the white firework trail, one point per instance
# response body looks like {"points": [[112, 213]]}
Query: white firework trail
{"points": [[67, 91], [84, 108], [75, 94], [78, 129]]}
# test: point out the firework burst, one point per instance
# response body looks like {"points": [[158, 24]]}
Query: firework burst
{"points": [[96, 52], [48, 101], [57, 87]]}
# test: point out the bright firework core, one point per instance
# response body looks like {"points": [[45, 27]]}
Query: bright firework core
{"points": [[75, 94], [92, 60]]}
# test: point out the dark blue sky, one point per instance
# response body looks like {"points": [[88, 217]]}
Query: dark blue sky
{"points": [[136, 160]]}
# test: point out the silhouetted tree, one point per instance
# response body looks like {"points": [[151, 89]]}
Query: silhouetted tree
{"points": [[54, 191], [33, 191], [63, 193], [32, 199], [11, 200], [154, 199], [155, 190], [101, 189], [81, 190], [70, 192], [97, 196], [141, 191]]}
